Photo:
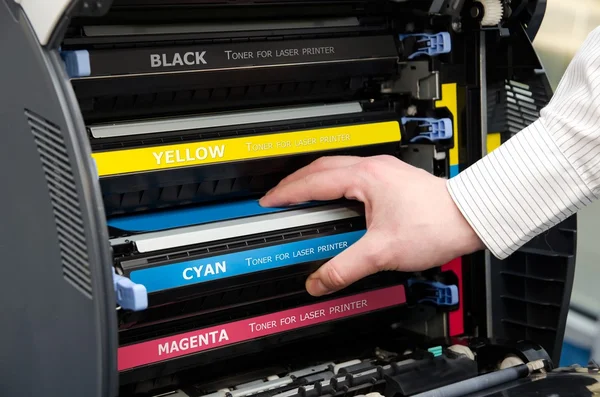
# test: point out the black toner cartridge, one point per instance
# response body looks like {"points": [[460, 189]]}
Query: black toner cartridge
{"points": [[253, 62], [213, 57], [139, 136]]}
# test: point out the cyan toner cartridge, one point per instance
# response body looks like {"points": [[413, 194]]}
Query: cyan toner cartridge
{"points": [[187, 248]]}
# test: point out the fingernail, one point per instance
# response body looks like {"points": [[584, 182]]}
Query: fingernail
{"points": [[317, 288], [260, 201]]}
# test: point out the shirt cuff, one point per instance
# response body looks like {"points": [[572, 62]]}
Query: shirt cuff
{"points": [[518, 191]]}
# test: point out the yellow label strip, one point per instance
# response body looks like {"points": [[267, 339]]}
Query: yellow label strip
{"points": [[116, 162], [494, 140], [450, 101]]}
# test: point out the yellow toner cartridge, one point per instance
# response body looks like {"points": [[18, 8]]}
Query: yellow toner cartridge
{"points": [[225, 154], [139, 136]]}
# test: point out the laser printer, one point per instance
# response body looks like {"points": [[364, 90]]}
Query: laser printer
{"points": [[138, 136]]}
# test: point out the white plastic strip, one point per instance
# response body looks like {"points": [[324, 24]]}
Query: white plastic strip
{"points": [[141, 30], [263, 386], [337, 367], [177, 393], [289, 393], [222, 119], [43, 16], [311, 370], [168, 239]]}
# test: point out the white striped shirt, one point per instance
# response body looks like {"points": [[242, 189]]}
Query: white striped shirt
{"points": [[546, 172]]}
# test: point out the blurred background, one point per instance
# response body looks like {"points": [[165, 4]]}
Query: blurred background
{"points": [[566, 25]]}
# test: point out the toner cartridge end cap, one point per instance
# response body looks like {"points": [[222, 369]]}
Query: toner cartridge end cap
{"points": [[130, 296], [430, 128], [429, 44], [436, 292], [77, 63]]}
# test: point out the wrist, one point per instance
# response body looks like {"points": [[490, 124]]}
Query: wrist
{"points": [[465, 236]]}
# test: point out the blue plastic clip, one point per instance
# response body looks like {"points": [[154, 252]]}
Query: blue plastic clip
{"points": [[77, 63], [437, 129], [440, 294], [130, 296], [435, 44]]}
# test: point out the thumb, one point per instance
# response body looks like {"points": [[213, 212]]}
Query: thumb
{"points": [[359, 260]]}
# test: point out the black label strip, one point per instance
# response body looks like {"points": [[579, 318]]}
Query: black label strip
{"points": [[204, 57]]}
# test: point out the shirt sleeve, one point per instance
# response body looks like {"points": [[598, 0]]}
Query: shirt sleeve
{"points": [[546, 172]]}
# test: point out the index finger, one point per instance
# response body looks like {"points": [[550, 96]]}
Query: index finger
{"points": [[321, 164], [331, 184]]}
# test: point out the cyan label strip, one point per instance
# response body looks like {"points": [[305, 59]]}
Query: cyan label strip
{"points": [[186, 273]]}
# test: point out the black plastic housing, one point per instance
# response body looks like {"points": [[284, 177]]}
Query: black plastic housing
{"points": [[56, 292], [531, 290]]}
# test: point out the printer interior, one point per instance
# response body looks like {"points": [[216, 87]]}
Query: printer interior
{"points": [[252, 70], [156, 73], [194, 109]]}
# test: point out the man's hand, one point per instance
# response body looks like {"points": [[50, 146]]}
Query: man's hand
{"points": [[412, 222]]}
